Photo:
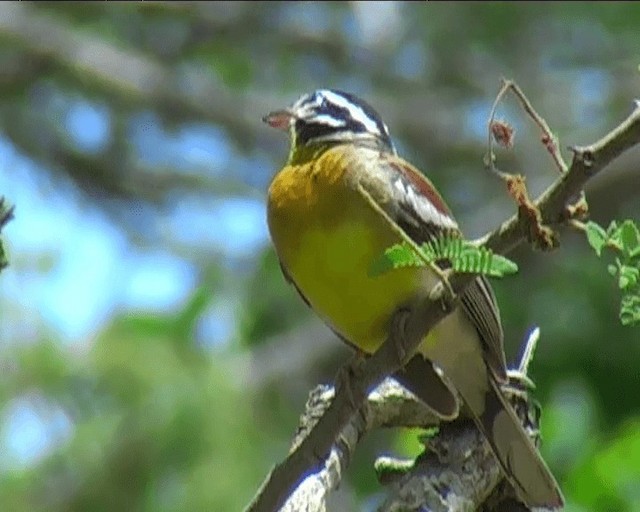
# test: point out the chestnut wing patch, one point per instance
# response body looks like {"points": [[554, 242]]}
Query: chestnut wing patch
{"points": [[416, 194], [423, 215]]}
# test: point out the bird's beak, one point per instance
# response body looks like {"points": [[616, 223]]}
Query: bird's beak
{"points": [[279, 119]]}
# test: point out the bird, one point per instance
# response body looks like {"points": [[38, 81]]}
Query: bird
{"points": [[327, 234]]}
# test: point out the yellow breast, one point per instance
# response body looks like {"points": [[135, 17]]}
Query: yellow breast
{"points": [[327, 236]]}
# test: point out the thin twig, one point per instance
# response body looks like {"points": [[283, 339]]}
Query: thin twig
{"points": [[529, 350], [490, 158], [548, 138], [587, 162], [578, 225]]}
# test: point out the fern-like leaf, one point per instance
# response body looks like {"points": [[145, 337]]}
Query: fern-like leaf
{"points": [[457, 254]]}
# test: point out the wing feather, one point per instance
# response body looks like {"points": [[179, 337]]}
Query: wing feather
{"points": [[422, 213]]}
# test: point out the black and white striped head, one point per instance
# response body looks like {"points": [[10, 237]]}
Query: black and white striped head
{"points": [[332, 116]]}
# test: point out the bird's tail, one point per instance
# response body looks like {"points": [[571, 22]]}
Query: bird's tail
{"points": [[519, 458]]}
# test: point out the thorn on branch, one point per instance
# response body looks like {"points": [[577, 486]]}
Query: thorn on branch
{"points": [[584, 156], [587, 158], [577, 209]]}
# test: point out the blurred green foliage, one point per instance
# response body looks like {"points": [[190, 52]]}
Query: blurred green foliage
{"points": [[157, 427], [624, 239], [148, 413]]}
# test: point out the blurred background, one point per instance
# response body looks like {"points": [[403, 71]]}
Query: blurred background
{"points": [[152, 358]]}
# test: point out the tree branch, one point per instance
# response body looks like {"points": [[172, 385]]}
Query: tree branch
{"points": [[587, 162], [6, 214], [425, 314], [441, 476], [389, 405], [457, 471]]}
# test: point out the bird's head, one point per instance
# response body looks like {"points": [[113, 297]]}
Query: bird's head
{"points": [[328, 117]]}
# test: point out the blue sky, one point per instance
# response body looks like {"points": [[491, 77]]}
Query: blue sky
{"points": [[90, 267], [71, 267]]}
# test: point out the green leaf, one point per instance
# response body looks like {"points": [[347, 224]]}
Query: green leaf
{"points": [[480, 260], [462, 256], [398, 256], [490, 264], [629, 277], [629, 237], [428, 434], [504, 265], [596, 236], [630, 310], [615, 238], [624, 240]]}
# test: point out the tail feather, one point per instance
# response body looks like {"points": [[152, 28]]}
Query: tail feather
{"points": [[519, 458], [420, 377]]}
